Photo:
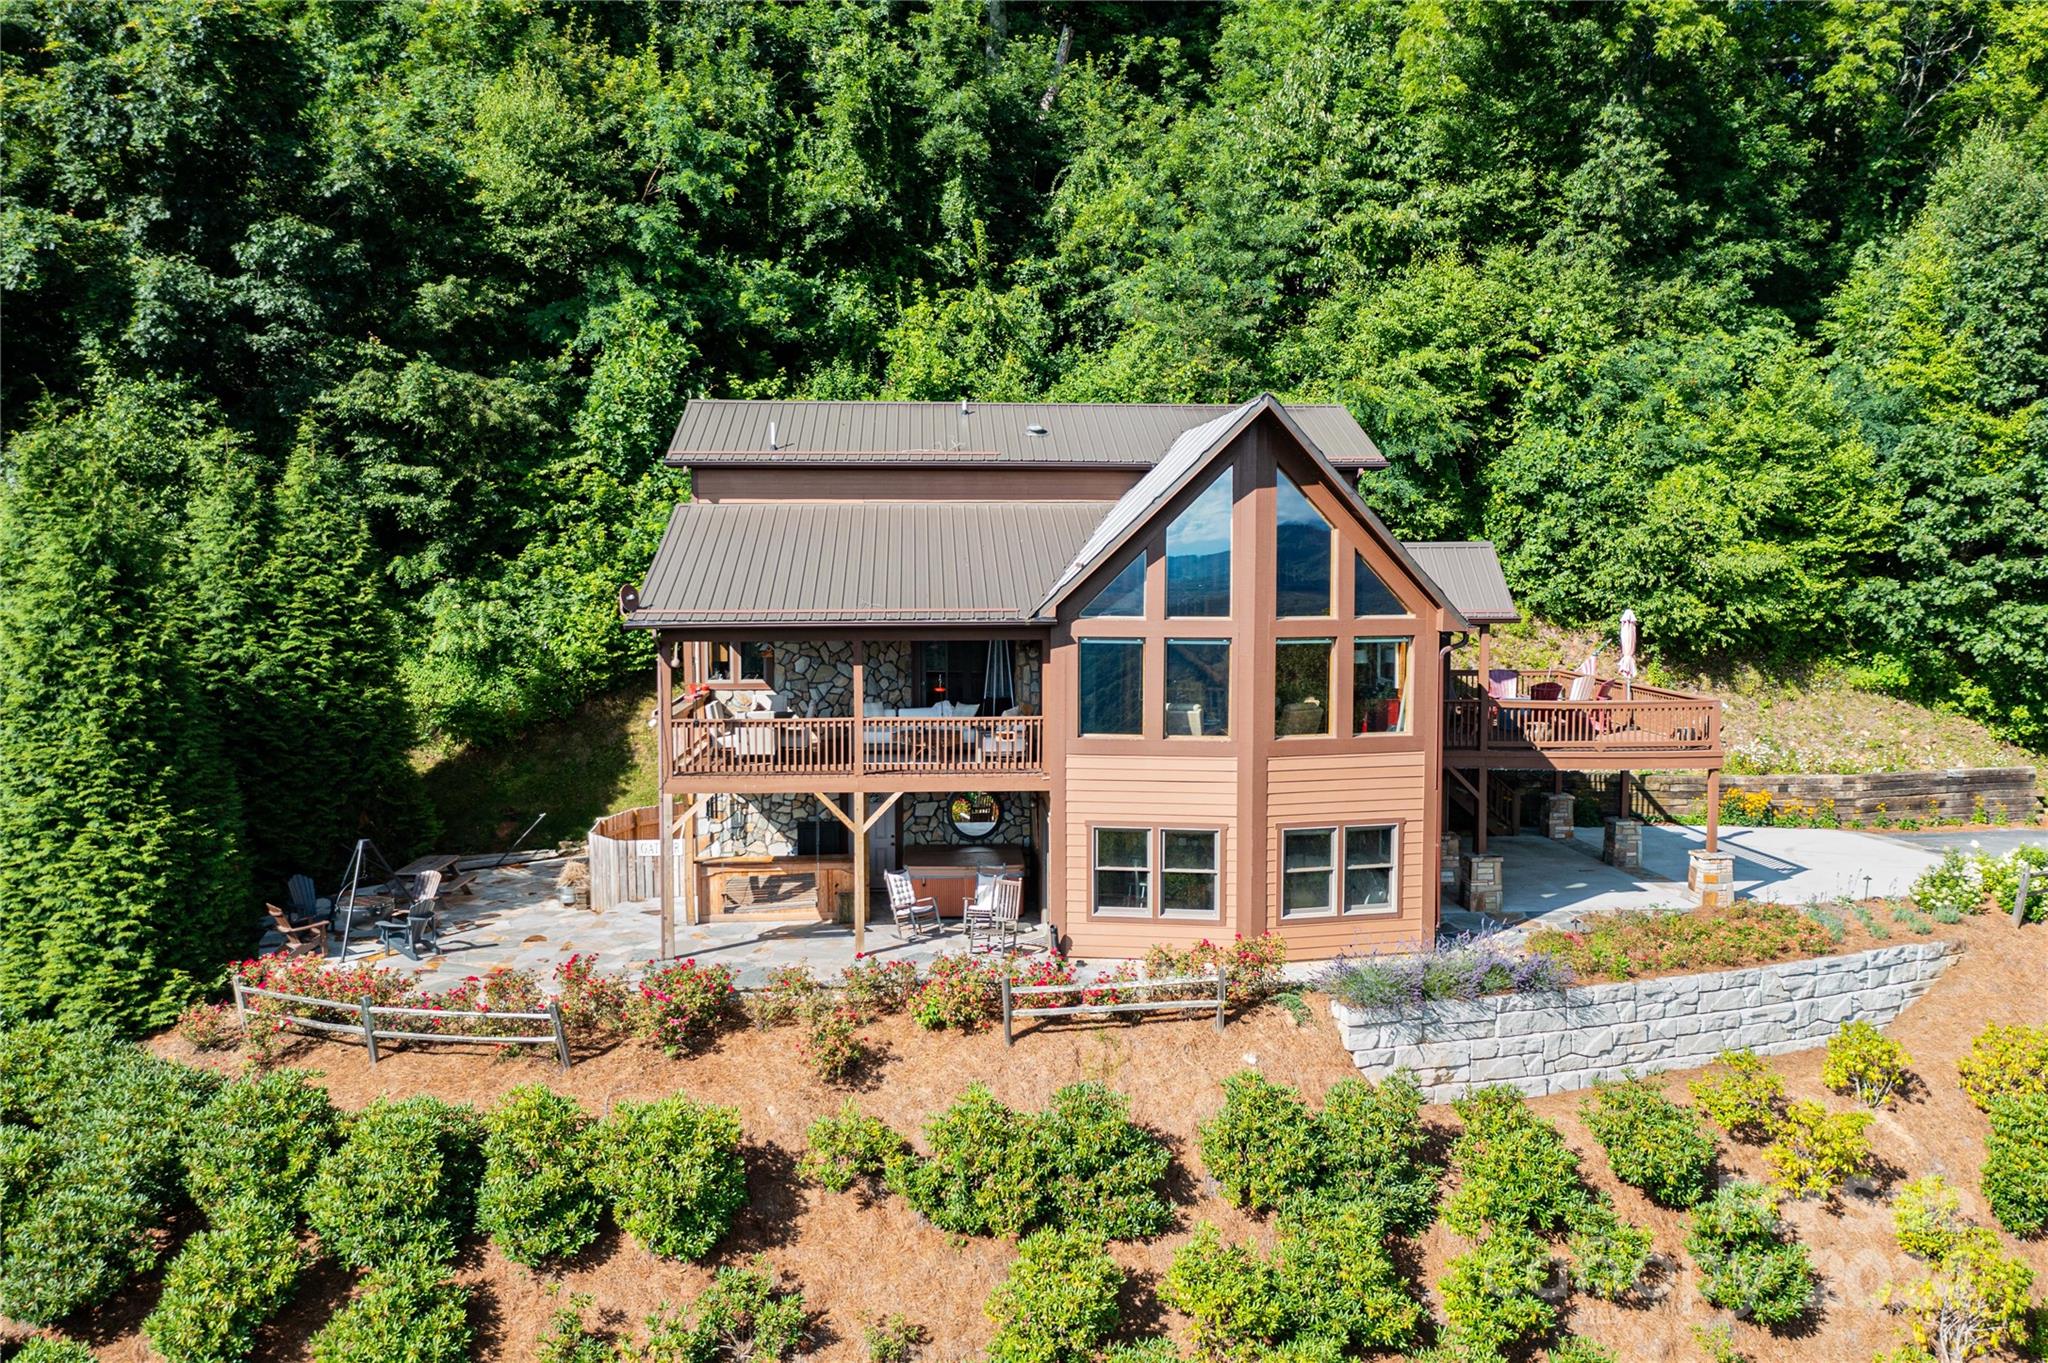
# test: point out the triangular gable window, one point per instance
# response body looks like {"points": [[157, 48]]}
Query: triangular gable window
{"points": [[1122, 595], [1198, 553], [1369, 595], [1301, 557]]}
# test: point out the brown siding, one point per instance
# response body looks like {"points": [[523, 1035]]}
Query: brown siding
{"points": [[1369, 788], [1143, 791], [888, 483]]}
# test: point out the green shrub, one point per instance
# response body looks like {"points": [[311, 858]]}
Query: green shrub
{"points": [[791, 995], [1105, 1170], [538, 1202], [1866, 1062], [1927, 1215], [42, 1349], [1653, 1143], [408, 1312], [832, 1047], [1744, 1098], [1975, 1301], [567, 1340], [1951, 888], [683, 1005], [1747, 1261], [1608, 1254], [2005, 1060], [988, 1172], [1577, 1349], [1494, 1296], [876, 986], [1059, 1301], [1152, 1349], [1263, 1145], [1338, 1280], [1817, 1151], [895, 1338], [960, 992], [405, 1179], [226, 1282], [263, 1136], [1373, 1146], [843, 1149], [673, 1172], [744, 1316], [1514, 1169], [2016, 1163], [2000, 880], [1231, 1297]]}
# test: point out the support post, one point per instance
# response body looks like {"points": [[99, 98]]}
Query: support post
{"points": [[369, 1031], [1222, 995], [1008, 1040], [1485, 710], [1479, 833], [1713, 809], [241, 1008], [665, 875], [561, 1032], [2019, 899], [860, 865], [860, 723], [1621, 796]]}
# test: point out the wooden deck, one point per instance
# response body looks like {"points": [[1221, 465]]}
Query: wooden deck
{"points": [[904, 751], [1623, 726]]}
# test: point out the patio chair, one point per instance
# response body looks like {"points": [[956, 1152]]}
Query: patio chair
{"points": [[306, 903], [905, 906], [420, 927], [995, 917], [300, 939], [423, 888]]}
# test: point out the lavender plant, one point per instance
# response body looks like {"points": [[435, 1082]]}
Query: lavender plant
{"points": [[1461, 968]]}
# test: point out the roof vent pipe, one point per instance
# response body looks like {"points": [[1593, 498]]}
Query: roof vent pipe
{"points": [[963, 406], [771, 437]]}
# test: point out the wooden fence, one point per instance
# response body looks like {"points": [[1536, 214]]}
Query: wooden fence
{"points": [[625, 858], [367, 1014], [1220, 1003]]}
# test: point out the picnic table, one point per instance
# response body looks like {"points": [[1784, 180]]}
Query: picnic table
{"points": [[419, 866]]}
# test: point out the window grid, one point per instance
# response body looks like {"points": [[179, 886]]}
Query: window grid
{"points": [[1156, 872], [1358, 860]]}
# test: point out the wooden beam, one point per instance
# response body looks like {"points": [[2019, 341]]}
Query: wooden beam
{"points": [[1713, 809], [880, 810], [665, 871], [832, 806], [695, 910], [1479, 834], [860, 869]]}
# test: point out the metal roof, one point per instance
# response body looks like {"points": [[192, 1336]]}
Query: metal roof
{"points": [[752, 563], [1469, 573], [1129, 435]]}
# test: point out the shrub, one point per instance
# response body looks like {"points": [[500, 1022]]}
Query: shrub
{"points": [[1866, 1062], [1927, 1215], [958, 991], [568, 1340], [43, 1349], [1494, 1296], [791, 994], [1468, 969], [1373, 1146], [2000, 880], [1577, 1349], [1625, 944], [877, 987], [1950, 889], [2016, 1163], [1340, 1283], [404, 1180], [1817, 1151], [1059, 1301], [1252, 966], [209, 1026], [893, 1339], [684, 1005], [500, 989], [1608, 1254], [1263, 1145], [987, 1173], [1744, 1099], [1974, 1303], [1514, 1169], [406, 1313], [1105, 1170], [1151, 1349], [744, 1315], [1653, 1143], [832, 1047], [673, 1172], [2005, 1061], [849, 1147], [537, 1202], [1747, 1261], [1231, 1297], [261, 1136], [594, 1003], [225, 1282]]}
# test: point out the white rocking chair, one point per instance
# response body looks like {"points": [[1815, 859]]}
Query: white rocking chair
{"points": [[904, 905], [993, 915]]}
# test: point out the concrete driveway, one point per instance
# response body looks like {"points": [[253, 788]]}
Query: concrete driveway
{"points": [[1554, 882]]}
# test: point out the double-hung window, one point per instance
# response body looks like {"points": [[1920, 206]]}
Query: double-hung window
{"points": [[1347, 869], [1123, 872], [1167, 872]]}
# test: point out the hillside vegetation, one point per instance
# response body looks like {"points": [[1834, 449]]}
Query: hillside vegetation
{"points": [[341, 340]]}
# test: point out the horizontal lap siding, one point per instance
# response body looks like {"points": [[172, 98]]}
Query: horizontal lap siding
{"points": [[1366, 788], [1143, 791]]}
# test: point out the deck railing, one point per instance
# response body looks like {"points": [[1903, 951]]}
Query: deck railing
{"points": [[843, 746], [1623, 717]]}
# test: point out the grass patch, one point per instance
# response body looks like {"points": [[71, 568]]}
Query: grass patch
{"points": [[599, 759]]}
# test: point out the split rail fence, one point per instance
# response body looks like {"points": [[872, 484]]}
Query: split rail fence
{"points": [[1220, 1002], [367, 1015]]}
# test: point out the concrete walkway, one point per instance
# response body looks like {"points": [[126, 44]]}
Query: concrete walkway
{"points": [[1994, 842], [1555, 882]]}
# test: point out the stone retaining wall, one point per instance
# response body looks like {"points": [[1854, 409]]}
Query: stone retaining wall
{"points": [[1957, 795], [1550, 1043]]}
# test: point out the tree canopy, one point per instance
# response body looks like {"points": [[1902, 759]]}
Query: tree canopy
{"points": [[372, 319]]}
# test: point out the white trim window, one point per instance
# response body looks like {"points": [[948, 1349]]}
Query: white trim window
{"points": [[1121, 872], [1315, 862], [1190, 872], [1370, 854], [1308, 872]]}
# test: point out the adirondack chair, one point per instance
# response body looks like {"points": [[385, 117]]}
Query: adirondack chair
{"points": [[419, 928], [306, 904], [300, 939], [904, 905], [996, 923]]}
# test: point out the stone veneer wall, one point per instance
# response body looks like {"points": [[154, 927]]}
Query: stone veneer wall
{"points": [[925, 823], [1549, 1043]]}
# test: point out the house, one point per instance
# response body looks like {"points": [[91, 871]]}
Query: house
{"points": [[1160, 660]]}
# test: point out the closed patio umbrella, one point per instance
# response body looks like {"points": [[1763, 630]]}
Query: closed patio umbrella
{"points": [[1627, 666], [999, 687]]}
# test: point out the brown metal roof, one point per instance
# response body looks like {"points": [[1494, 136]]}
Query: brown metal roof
{"points": [[1468, 572], [747, 563], [1132, 435]]}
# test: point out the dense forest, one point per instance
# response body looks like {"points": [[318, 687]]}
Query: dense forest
{"points": [[341, 340]]}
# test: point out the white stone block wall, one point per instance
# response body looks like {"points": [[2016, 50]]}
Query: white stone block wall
{"points": [[1554, 1043]]}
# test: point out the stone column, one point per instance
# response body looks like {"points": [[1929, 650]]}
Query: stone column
{"points": [[1449, 850], [1710, 877], [1558, 817], [1624, 844], [1480, 883]]}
